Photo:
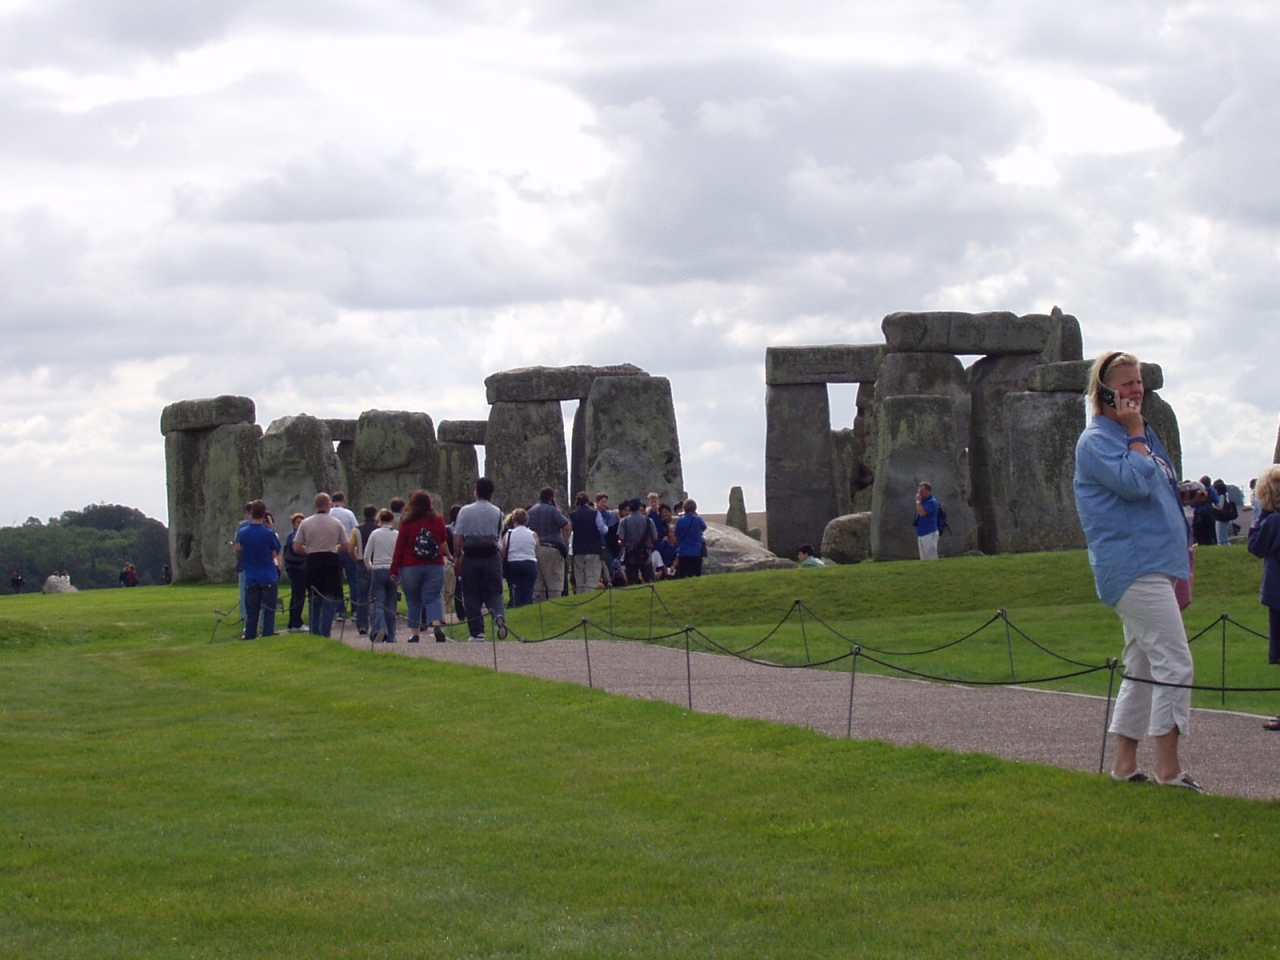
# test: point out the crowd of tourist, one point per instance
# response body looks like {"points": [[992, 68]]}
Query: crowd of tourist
{"points": [[478, 561]]}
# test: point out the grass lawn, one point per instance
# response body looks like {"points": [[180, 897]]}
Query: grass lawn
{"points": [[162, 796]]}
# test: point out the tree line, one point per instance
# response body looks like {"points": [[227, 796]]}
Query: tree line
{"points": [[92, 545]]}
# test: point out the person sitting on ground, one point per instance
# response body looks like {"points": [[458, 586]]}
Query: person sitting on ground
{"points": [[805, 557], [520, 551], [690, 543], [1264, 542]]}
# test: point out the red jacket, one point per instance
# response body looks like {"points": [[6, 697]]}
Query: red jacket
{"points": [[404, 555]]}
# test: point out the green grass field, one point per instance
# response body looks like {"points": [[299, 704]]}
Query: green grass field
{"points": [[162, 796]]}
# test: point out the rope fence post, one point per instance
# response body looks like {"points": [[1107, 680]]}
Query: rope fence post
{"points": [[1008, 639], [494, 644], [1106, 719], [799, 607], [586, 646], [688, 666], [1224, 659], [853, 677], [653, 589], [542, 627], [610, 589]]}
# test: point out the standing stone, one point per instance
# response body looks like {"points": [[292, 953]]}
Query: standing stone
{"points": [[524, 452], [863, 454], [459, 468], [395, 454], [184, 471], [847, 539], [298, 461], [1159, 414], [916, 441], [1065, 341], [846, 456], [991, 380], [343, 434], [578, 454], [1042, 430], [736, 516], [232, 477], [632, 446], [932, 375], [798, 480]]}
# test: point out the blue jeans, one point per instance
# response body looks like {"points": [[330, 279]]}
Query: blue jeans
{"points": [[523, 577], [382, 603], [363, 602], [244, 608], [351, 570], [422, 586], [260, 599]]}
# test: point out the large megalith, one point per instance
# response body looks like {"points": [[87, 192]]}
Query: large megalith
{"points": [[1040, 444], [995, 334], [799, 480], [991, 380], [395, 454], [847, 539], [916, 441], [188, 427], [232, 477], [1159, 414], [457, 472], [736, 515], [298, 461], [632, 446], [524, 452], [732, 551], [539, 384], [932, 375]]}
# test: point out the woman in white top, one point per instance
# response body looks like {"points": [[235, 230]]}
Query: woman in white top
{"points": [[519, 550], [382, 589]]}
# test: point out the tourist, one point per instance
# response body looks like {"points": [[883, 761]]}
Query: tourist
{"points": [[259, 547], [1264, 542], [805, 557], [452, 581], [589, 530], [350, 568], [359, 537], [609, 554], [166, 575], [379, 552], [397, 509], [295, 568], [1128, 504], [546, 520], [1225, 513], [475, 543], [667, 539], [322, 540], [926, 521], [17, 582], [520, 558], [244, 522], [691, 546], [635, 540], [419, 565]]}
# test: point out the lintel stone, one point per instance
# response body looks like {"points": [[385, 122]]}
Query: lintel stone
{"points": [[462, 431], [835, 363], [1073, 377], [993, 334], [342, 431], [206, 414], [541, 384]]}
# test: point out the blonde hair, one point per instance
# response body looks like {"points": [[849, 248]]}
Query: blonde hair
{"points": [[1268, 488], [520, 516], [1112, 359]]}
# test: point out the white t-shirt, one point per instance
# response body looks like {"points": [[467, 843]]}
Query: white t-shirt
{"points": [[345, 517], [520, 544]]}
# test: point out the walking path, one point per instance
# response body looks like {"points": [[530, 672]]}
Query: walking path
{"points": [[1228, 753]]}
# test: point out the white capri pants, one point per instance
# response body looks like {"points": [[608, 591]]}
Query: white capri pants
{"points": [[1155, 648], [928, 545]]}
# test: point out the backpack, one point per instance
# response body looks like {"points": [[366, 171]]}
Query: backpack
{"points": [[425, 546], [943, 526], [1227, 511]]}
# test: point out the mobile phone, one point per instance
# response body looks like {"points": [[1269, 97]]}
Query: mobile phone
{"points": [[1107, 395]]}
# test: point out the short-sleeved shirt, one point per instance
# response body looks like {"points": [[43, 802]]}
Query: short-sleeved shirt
{"points": [[689, 529], [479, 519], [546, 520], [257, 542], [320, 533]]}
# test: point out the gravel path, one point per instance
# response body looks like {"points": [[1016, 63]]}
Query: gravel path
{"points": [[1229, 753]]}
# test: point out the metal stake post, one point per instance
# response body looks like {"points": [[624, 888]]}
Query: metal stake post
{"points": [[587, 647], [853, 677], [1008, 639], [688, 667], [803, 633], [1224, 659], [1106, 720]]}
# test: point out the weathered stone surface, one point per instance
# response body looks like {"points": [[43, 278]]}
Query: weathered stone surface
{"points": [[799, 485], [524, 452], [932, 375], [915, 442], [395, 454], [991, 380], [1159, 414], [206, 414], [736, 516], [458, 471], [462, 431], [863, 473], [578, 454], [297, 461], [847, 539], [341, 430], [540, 384], [1042, 430], [1065, 341], [1073, 377], [732, 551], [995, 334], [846, 456], [184, 477], [632, 445], [836, 363], [232, 477]]}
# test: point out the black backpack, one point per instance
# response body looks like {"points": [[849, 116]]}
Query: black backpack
{"points": [[943, 526], [425, 546]]}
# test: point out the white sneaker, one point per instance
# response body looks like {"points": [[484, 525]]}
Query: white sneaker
{"points": [[478, 640]]}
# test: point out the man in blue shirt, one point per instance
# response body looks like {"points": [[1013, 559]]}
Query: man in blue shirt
{"points": [[926, 521], [258, 547]]}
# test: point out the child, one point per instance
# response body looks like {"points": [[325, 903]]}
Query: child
{"points": [[1264, 542]]}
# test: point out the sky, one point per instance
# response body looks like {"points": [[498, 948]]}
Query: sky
{"points": [[332, 206]]}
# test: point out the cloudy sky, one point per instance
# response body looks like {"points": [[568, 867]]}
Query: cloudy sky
{"points": [[333, 206]]}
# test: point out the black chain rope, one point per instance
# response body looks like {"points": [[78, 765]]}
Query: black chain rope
{"points": [[900, 653]]}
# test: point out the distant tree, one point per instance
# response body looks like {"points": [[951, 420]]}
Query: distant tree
{"points": [[91, 544], [33, 522], [105, 516]]}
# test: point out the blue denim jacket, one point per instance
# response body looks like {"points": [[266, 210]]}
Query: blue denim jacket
{"points": [[1128, 505]]}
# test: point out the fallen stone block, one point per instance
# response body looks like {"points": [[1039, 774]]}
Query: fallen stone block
{"points": [[847, 539]]}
